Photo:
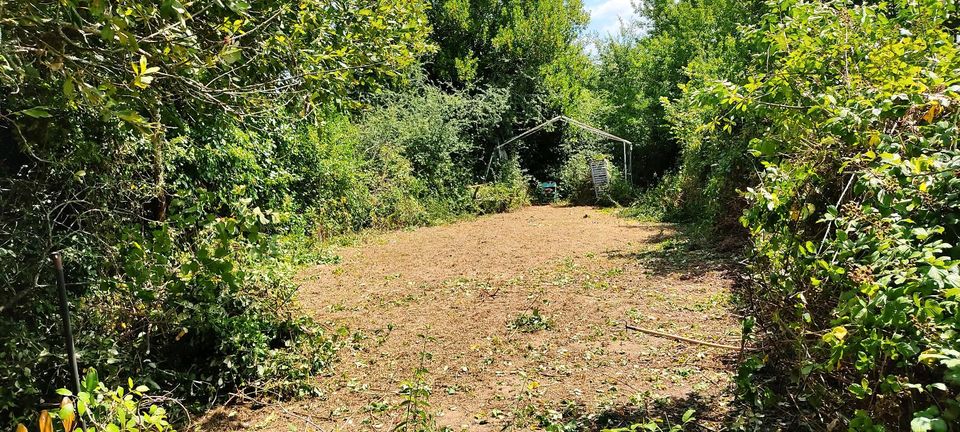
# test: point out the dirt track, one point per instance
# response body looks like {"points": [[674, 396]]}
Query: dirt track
{"points": [[448, 298]]}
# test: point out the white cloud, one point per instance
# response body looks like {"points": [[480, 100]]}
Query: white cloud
{"points": [[605, 15]]}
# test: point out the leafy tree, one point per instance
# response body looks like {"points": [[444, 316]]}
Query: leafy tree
{"points": [[501, 42], [670, 44], [530, 48]]}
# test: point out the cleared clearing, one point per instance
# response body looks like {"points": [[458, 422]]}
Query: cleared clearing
{"points": [[449, 298]]}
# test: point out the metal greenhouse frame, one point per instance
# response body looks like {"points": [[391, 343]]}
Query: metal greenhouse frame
{"points": [[627, 145]]}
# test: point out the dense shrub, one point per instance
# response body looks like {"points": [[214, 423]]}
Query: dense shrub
{"points": [[424, 141], [854, 217], [510, 189], [837, 120], [162, 148], [194, 285]]}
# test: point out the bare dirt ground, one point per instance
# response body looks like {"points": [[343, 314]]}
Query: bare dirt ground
{"points": [[515, 318]]}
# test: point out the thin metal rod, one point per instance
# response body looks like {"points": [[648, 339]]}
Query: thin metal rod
{"points": [[568, 120], [593, 129], [528, 132], [624, 161], [65, 314], [486, 175]]}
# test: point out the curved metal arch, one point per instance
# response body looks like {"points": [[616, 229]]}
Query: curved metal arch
{"points": [[627, 145]]}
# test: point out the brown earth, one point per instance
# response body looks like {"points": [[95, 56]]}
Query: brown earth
{"points": [[452, 300]]}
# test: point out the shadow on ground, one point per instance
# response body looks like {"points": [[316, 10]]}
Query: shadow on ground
{"points": [[680, 251], [694, 412]]}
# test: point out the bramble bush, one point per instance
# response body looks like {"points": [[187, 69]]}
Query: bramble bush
{"points": [[509, 190], [854, 218], [837, 122], [422, 145]]}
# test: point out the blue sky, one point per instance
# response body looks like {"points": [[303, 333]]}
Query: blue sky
{"points": [[605, 15]]}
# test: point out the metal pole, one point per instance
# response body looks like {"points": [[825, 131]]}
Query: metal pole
{"points": [[486, 176], [65, 314], [625, 172]]}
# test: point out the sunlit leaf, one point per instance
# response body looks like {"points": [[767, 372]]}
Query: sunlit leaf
{"points": [[36, 112], [45, 422]]}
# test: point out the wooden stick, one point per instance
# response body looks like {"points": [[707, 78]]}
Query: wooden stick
{"points": [[681, 338]]}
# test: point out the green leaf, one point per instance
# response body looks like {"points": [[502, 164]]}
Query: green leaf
{"points": [[239, 6], [230, 55], [69, 89], [131, 117], [836, 335], [858, 390], [924, 424], [36, 112], [91, 381], [920, 424]]}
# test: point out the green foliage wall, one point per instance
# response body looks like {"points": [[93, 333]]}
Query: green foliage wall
{"points": [[434, 135], [829, 129], [533, 50], [837, 120], [176, 154], [854, 219]]}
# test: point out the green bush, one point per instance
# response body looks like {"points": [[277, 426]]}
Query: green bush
{"points": [[837, 121], [574, 178], [422, 143], [661, 202], [510, 191], [854, 219], [190, 280]]}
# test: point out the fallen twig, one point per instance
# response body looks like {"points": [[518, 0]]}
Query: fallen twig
{"points": [[681, 338]]}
